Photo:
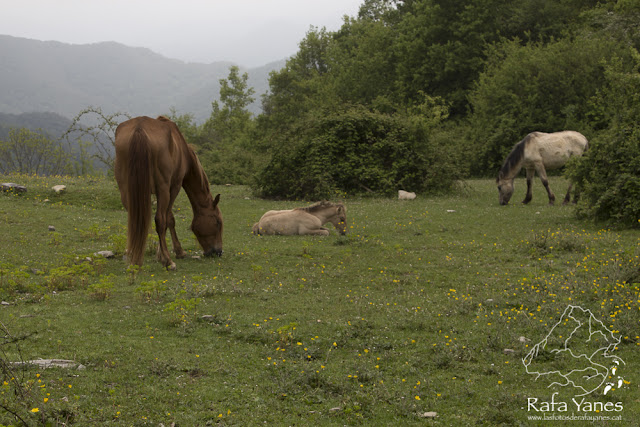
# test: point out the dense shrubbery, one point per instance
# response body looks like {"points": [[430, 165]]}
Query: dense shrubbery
{"points": [[610, 172], [357, 151]]}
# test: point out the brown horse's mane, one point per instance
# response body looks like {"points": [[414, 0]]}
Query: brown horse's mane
{"points": [[198, 169], [317, 206], [196, 166], [514, 158]]}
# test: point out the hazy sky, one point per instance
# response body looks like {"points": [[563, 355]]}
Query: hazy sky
{"points": [[247, 32]]}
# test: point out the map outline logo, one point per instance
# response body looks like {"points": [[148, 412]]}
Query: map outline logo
{"points": [[591, 367]]}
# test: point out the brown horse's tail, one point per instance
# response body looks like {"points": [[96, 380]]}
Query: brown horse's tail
{"points": [[139, 191]]}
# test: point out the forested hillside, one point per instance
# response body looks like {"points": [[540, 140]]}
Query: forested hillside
{"points": [[418, 94], [55, 124]]}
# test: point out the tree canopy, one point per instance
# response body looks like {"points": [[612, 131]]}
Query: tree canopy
{"points": [[417, 94], [494, 70]]}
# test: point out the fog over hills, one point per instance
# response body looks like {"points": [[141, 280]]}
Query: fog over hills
{"points": [[37, 76]]}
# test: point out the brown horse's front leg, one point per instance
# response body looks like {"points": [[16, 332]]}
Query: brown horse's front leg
{"points": [[177, 247]]}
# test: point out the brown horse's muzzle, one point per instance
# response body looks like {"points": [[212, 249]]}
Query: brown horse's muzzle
{"points": [[213, 252]]}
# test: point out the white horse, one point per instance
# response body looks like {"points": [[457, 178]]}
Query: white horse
{"points": [[308, 220], [539, 151]]}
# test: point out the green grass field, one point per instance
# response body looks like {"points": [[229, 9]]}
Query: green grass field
{"points": [[420, 308]]}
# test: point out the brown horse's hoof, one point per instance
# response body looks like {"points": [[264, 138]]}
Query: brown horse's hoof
{"points": [[172, 266]]}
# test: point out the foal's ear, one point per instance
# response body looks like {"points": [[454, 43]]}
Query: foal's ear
{"points": [[216, 200]]}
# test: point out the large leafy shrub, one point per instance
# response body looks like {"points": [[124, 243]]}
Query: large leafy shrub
{"points": [[356, 150], [610, 172]]}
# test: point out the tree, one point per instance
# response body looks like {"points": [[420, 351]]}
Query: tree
{"points": [[227, 148], [100, 129], [32, 153], [231, 119]]}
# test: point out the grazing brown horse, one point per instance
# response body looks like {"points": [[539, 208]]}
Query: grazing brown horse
{"points": [[539, 151], [152, 157], [308, 220]]}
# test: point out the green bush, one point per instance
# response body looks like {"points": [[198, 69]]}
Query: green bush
{"points": [[610, 172], [358, 151]]}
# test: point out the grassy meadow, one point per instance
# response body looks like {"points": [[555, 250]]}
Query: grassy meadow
{"points": [[425, 306]]}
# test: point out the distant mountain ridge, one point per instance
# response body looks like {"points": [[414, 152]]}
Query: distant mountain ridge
{"points": [[52, 124], [38, 76]]}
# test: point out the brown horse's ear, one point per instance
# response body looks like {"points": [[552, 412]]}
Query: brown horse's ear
{"points": [[216, 200]]}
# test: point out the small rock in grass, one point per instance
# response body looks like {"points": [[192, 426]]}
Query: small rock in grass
{"points": [[429, 414], [406, 195], [11, 186], [105, 254], [52, 228]]}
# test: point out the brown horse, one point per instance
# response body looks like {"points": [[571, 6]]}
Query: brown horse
{"points": [[308, 220], [539, 151], [152, 157]]}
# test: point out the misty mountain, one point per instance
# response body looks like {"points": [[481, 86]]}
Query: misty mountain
{"points": [[37, 76], [52, 125]]}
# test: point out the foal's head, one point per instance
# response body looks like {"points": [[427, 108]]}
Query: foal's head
{"points": [[339, 220]]}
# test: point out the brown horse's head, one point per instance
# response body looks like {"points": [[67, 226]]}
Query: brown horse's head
{"points": [[339, 220], [505, 189], [207, 226]]}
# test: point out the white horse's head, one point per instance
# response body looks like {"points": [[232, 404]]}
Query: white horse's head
{"points": [[505, 189]]}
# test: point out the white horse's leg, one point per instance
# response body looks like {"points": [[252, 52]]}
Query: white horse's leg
{"points": [[567, 197], [545, 181], [530, 174]]}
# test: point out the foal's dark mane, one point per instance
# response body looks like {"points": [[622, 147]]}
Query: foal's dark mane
{"points": [[316, 207], [514, 158]]}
